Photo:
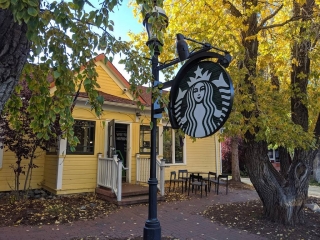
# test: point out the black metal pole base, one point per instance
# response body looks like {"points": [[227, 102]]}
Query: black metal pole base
{"points": [[152, 230]]}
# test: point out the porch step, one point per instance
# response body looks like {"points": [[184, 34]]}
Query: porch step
{"points": [[131, 194]]}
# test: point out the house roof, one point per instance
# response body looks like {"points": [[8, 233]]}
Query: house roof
{"points": [[145, 95], [110, 98], [144, 98]]}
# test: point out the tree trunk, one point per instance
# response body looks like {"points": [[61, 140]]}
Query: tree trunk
{"points": [[283, 199], [285, 161], [30, 167], [14, 48], [235, 159], [17, 174]]}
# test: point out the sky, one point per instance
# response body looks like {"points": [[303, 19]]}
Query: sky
{"points": [[124, 21]]}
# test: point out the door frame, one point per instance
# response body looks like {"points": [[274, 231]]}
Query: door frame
{"points": [[129, 145]]}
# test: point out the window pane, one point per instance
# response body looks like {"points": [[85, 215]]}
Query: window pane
{"points": [[84, 131], [167, 144], [145, 139], [277, 155], [179, 141], [270, 154]]}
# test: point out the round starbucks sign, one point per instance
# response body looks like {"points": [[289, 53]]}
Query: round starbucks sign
{"points": [[201, 99]]}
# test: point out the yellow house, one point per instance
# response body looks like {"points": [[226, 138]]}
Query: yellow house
{"points": [[66, 172]]}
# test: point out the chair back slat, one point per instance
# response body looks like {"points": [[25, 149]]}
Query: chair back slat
{"points": [[173, 175], [183, 173]]}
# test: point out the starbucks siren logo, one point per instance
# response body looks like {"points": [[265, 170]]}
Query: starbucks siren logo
{"points": [[204, 100]]}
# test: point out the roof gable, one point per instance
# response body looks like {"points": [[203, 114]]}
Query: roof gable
{"points": [[113, 86]]}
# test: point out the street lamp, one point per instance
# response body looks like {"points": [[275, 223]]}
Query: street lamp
{"points": [[152, 229]]}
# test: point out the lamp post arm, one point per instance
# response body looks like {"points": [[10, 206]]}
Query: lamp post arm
{"points": [[166, 65], [204, 49], [175, 61], [164, 85], [192, 40]]}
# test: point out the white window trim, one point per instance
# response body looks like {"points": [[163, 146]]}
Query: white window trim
{"points": [[273, 155], [62, 155], [274, 158], [184, 160], [1, 155]]}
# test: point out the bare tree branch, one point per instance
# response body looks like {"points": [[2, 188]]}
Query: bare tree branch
{"points": [[280, 24], [269, 17], [234, 11]]}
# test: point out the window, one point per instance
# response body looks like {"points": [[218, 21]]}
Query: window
{"points": [[145, 139], [273, 155], [173, 145], [85, 132]]}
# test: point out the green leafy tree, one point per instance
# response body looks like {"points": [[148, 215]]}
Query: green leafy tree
{"points": [[20, 139], [61, 39]]}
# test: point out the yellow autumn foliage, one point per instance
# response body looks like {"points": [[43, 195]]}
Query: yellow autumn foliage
{"points": [[225, 25]]}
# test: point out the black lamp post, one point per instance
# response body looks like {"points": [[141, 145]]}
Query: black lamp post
{"points": [[152, 229]]}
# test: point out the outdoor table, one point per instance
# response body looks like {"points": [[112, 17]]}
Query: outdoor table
{"points": [[198, 173]]}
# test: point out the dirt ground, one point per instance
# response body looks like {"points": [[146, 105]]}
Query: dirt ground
{"points": [[246, 216]]}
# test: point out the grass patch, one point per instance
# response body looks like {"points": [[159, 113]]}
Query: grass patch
{"points": [[314, 183]]}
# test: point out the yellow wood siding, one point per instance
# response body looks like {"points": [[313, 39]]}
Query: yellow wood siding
{"points": [[7, 174], [135, 150], [109, 84], [51, 171], [79, 173], [200, 156]]}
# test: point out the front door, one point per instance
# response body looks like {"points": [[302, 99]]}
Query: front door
{"points": [[111, 139], [121, 145]]}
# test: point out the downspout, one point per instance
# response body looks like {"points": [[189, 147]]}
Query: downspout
{"points": [[218, 154], [1, 155], [62, 156]]}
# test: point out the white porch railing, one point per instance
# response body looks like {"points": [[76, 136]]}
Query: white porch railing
{"points": [[110, 174], [143, 171]]}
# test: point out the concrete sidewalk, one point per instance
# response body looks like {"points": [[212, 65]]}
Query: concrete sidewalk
{"points": [[314, 191], [182, 220]]}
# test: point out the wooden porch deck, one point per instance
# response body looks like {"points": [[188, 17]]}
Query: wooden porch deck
{"points": [[131, 194]]}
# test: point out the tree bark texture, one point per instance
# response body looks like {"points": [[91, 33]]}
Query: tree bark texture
{"points": [[285, 161], [299, 83], [235, 159], [283, 196], [14, 48]]}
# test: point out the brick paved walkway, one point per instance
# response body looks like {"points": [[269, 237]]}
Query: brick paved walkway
{"points": [[181, 220]]}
